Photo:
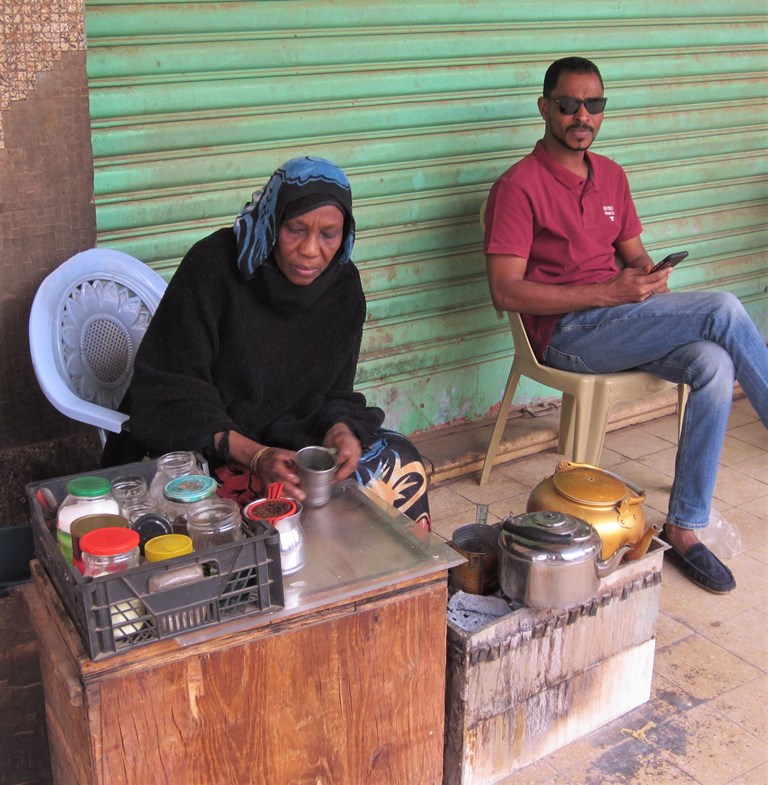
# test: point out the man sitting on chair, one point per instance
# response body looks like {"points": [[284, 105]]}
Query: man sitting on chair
{"points": [[555, 224]]}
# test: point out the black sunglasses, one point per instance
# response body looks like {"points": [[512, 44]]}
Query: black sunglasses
{"points": [[570, 105]]}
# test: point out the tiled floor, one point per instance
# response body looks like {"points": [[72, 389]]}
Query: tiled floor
{"points": [[706, 722]]}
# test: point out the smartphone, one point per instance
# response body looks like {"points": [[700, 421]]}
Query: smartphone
{"points": [[670, 261]]}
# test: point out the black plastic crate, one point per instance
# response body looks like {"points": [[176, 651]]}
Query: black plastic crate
{"points": [[114, 613]]}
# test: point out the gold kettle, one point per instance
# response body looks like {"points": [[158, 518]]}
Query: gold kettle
{"points": [[613, 506]]}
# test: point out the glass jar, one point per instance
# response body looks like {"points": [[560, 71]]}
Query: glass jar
{"points": [[136, 508], [182, 496], [167, 546], [131, 489], [85, 496], [107, 551], [215, 522], [89, 523], [149, 526], [169, 467]]}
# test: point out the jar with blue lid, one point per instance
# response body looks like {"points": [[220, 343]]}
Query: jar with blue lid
{"points": [[183, 495]]}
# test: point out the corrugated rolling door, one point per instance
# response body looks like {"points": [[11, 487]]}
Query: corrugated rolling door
{"points": [[424, 104]]}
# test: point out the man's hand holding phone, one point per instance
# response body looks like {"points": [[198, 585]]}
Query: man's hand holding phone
{"points": [[669, 261]]}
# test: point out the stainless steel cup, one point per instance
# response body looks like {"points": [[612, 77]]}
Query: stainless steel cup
{"points": [[317, 466]]}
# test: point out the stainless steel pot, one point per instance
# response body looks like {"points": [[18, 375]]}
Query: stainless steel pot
{"points": [[551, 559]]}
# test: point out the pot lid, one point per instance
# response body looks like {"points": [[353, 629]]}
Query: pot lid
{"points": [[555, 528], [589, 485]]}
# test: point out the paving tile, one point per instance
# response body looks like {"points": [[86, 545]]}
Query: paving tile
{"points": [[742, 413], [751, 579], [537, 773], [736, 488], [745, 635], [757, 507], [694, 607], [530, 471], [740, 454], [503, 487], [515, 505], [745, 706], [709, 747], [634, 443], [443, 502], [752, 530], [663, 465], [669, 630], [752, 433], [663, 427], [637, 760], [702, 668], [757, 776]]}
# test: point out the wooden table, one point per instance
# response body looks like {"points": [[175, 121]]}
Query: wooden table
{"points": [[345, 686]]}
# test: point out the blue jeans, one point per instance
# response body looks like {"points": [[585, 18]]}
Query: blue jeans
{"points": [[705, 339]]}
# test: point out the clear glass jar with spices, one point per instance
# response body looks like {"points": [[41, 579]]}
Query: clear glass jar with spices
{"points": [[183, 495], [169, 467], [215, 522], [107, 551]]}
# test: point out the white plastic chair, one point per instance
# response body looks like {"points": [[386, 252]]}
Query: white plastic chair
{"points": [[587, 399], [87, 321]]}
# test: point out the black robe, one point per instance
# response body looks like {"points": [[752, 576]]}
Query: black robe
{"points": [[218, 357]]}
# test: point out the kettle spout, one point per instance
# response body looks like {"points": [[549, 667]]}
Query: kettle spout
{"points": [[607, 566]]}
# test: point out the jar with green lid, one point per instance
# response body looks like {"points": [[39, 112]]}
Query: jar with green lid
{"points": [[86, 495], [183, 494]]}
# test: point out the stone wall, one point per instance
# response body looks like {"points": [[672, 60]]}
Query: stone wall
{"points": [[46, 215]]}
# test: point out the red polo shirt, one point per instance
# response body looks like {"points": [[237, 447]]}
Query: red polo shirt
{"points": [[564, 226]]}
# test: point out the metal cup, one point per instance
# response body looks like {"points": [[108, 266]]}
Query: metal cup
{"points": [[317, 465]]}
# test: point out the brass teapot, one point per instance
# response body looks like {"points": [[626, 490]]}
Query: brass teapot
{"points": [[613, 506]]}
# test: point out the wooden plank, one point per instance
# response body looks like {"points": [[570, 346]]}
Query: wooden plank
{"points": [[333, 702], [66, 706], [505, 742]]}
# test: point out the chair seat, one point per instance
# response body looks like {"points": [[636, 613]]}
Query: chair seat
{"points": [[587, 399]]}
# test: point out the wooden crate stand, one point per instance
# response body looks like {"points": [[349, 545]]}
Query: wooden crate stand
{"points": [[536, 680]]}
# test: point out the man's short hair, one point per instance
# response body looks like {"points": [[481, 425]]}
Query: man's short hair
{"points": [[577, 65]]}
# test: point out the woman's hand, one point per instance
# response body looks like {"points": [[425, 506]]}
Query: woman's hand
{"points": [[278, 465], [348, 449]]}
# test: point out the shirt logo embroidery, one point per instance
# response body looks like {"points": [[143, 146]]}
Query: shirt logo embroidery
{"points": [[609, 211]]}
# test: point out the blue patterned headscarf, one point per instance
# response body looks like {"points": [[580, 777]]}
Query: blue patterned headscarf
{"points": [[257, 225]]}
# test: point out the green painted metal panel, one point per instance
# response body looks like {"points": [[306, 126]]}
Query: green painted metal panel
{"points": [[424, 104]]}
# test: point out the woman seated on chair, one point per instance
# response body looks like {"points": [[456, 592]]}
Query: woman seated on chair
{"points": [[252, 352]]}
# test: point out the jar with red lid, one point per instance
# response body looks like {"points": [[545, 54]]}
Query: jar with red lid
{"points": [[110, 550]]}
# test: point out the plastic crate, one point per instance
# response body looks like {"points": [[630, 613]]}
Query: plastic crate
{"points": [[114, 613]]}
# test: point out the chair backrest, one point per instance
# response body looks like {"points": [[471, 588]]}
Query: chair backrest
{"points": [[87, 321]]}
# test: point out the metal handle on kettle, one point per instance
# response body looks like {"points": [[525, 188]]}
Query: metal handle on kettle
{"points": [[536, 535]]}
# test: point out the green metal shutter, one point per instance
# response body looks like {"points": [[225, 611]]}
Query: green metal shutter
{"points": [[424, 104]]}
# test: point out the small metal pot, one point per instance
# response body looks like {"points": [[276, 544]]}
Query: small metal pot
{"points": [[551, 560], [479, 544]]}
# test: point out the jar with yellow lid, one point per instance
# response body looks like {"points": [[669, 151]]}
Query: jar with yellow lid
{"points": [[167, 546]]}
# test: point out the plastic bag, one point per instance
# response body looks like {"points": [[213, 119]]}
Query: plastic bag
{"points": [[721, 537]]}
